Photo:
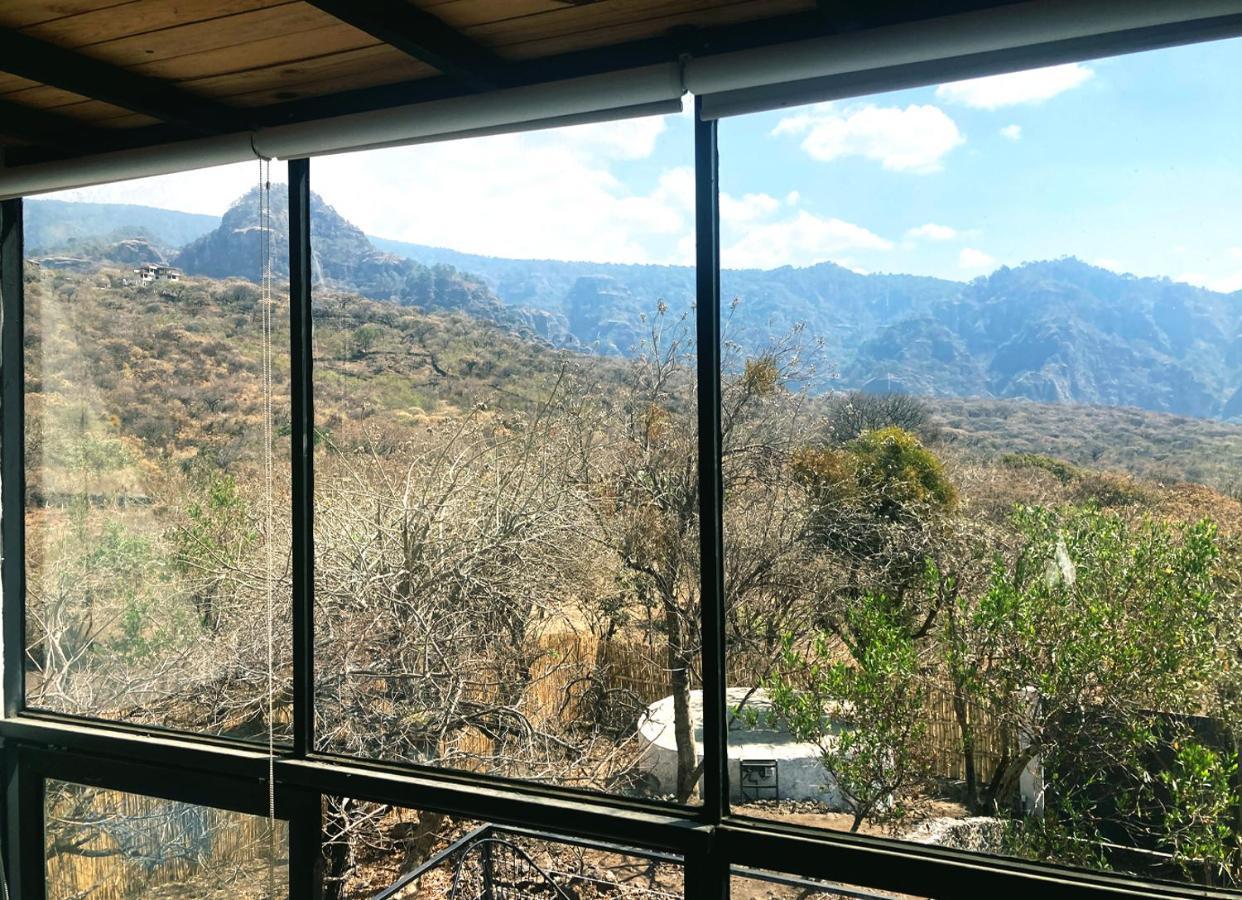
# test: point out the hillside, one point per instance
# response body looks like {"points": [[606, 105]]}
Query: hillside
{"points": [[602, 301], [1059, 331], [1066, 332], [1154, 446], [171, 371], [381, 363]]}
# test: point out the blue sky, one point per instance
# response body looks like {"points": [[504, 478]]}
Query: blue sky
{"points": [[1133, 163]]}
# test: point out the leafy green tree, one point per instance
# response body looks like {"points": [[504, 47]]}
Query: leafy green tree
{"points": [[865, 713], [1110, 625], [879, 509], [365, 337]]}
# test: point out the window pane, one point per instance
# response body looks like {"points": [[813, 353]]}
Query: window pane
{"points": [[103, 843], [506, 527], [417, 855], [146, 513], [982, 533], [760, 884]]}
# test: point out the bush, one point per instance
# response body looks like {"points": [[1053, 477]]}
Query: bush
{"points": [[857, 412]]}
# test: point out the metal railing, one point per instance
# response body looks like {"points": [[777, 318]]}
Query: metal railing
{"points": [[491, 863]]}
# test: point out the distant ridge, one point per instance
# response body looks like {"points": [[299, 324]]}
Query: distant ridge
{"points": [[51, 224], [1055, 331]]}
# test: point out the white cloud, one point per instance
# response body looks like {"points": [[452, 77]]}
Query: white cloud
{"points": [[540, 195], [1227, 282], [802, 240], [746, 208], [933, 232], [1012, 132], [972, 259], [793, 198], [913, 139], [1032, 86]]}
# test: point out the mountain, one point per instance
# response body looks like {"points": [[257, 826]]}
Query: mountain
{"points": [[1058, 331], [1063, 331], [601, 302], [343, 259], [52, 224]]}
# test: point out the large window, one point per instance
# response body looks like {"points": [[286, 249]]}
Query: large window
{"points": [[506, 515], [980, 462], [441, 855], [848, 510], [147, 529]]}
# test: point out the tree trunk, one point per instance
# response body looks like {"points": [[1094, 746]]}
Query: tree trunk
{"points": [[683, 728], [962, 714], [336, 866]]}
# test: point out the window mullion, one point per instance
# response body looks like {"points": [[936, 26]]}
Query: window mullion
{"points": [[711, 548], [302, 461], [12, 469]]}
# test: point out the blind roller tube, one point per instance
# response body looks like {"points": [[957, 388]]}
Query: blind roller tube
{"points": [[515, 109]]}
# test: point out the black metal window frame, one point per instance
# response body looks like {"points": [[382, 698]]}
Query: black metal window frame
{"points": [[711, 841]]}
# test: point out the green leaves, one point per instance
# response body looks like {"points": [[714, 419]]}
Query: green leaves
{"points": [[865, 710], [1203, 803]]}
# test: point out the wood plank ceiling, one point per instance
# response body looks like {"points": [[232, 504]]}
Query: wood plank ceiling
{"points": [[83, 75]]}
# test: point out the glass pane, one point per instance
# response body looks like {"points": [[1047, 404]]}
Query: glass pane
{"points": [[419, 855], [983, 390], [114, 845], [760, 884], [506, 527], [146, 515]]}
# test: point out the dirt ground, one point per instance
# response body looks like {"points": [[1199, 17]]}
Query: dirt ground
{"points": [[815, 816]]}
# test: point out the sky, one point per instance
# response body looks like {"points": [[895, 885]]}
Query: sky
{"points": [[1133, 163]]}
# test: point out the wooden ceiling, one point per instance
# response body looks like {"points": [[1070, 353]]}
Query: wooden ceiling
{"points": [[85, 75]]}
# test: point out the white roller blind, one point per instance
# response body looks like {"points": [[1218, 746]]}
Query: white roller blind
{"points": [[647, 91]]}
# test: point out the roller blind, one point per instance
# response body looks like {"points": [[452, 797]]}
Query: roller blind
{"points": [[648, 91]]}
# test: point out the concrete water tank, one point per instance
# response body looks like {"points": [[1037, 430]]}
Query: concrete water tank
{"points": [[765, 761]]}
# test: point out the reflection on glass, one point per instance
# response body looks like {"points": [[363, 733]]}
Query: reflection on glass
{"points": [[109, 844], [145, 491], [506, 527], [981, 401], [417, 855]]}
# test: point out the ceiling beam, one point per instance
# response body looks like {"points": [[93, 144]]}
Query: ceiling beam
{"points": [[48, 64], [423, 36], [46, 129]]}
